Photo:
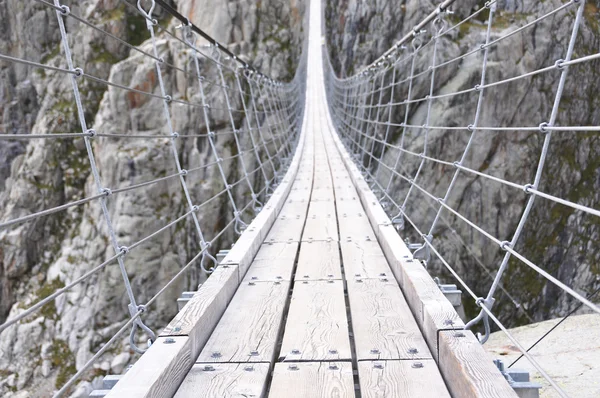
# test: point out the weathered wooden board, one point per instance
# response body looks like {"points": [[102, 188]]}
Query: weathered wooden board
{"points": [[356, 227], [319, 260], [274, 261], [200, 315], [248, 330], [321, 209], [286, 229], [158, 372], [384, 327], [349, 208], [401, 379], [468, 369], [322, 194], [294, 209], [225, 380], [317, 327], [320, 227], [364, 259], [312, 380]]}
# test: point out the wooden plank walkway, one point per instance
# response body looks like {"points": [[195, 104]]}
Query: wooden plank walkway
{"points": [[319, 297], [336, 317]]}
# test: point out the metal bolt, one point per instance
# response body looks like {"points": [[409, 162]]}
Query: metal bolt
{"points": [[254, 278], [333, 366], [176, 329], [251, 283], [357, 275], [209, 368], [382, 274], [253, 353], [378, 366], [329, 281], [293, 367], [249, 368], [330, 275], [384, 280], [417, 365], [359, 281], [412, 351], [295, 351], [375, 351], [305, 282], [169, 341], [459, 334], [449, 322], [278, 277], [306, 276], [216, 354], [333, 351]]}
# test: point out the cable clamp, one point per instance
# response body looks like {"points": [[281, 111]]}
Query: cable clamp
{"points": [[90, 133], [106, 191], [505, 245], [559, 64], [64, 10], [470, 127], [78, 72], [527, 188], [544, 127], [123, 250], [184, 172], [168, 98]]}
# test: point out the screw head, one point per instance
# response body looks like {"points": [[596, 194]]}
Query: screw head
{"points": [[378, 365], [449, 322], [417, 365], [459, 334], [412, 351], [382, 274], [375, 351], [293, 366], [177, 329], [249, 368], [253, 353], [215, 354], [295, 351], [333, 366], [209, 368], [333, 351], [169, 341]]}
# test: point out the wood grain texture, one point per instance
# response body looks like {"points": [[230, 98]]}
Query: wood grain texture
{"points": [[364, 259], [319, 260], [468, 369], [399, 379], [316, 324], [286, 229], [294, 209], [320, 227], [274, 261], [355, 226], [312, 380], [201, 314], [225, 380], [250, 323], [384, 327], [158, 372]]}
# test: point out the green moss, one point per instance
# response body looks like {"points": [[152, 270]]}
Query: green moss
{"points": [[48, 311], [62, 358]]}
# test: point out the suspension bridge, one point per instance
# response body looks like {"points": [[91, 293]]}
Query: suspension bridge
{"points": [[320, 295]]}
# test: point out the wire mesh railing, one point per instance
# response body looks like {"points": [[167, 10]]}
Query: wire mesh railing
{"points": [[247, 154], [394, 117]]}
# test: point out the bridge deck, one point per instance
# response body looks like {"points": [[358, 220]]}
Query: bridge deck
{"points": [[319, 303], [308, 304]]}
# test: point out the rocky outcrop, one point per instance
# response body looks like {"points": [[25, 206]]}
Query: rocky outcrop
{"points": [[41, 352], [556, 237]]}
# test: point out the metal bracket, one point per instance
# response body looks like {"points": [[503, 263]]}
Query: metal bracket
{"points": [[519, 381]]}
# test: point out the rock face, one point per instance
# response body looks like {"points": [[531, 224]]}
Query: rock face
{"points": [[41, 352], [559, 239]]}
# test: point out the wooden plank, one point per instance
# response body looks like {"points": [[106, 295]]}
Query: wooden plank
{"points": [[384, 327], [468, 369], [319, 260], [356, 227], [248, 330], [322, 194], [364, 259], [401, 379], [294, 209], [312, 380], [317, 327], [274, 261], [321, 227], [158, 372], [227, 380], [321, 209], [349, 208], [286, 229], [202, 313]]}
